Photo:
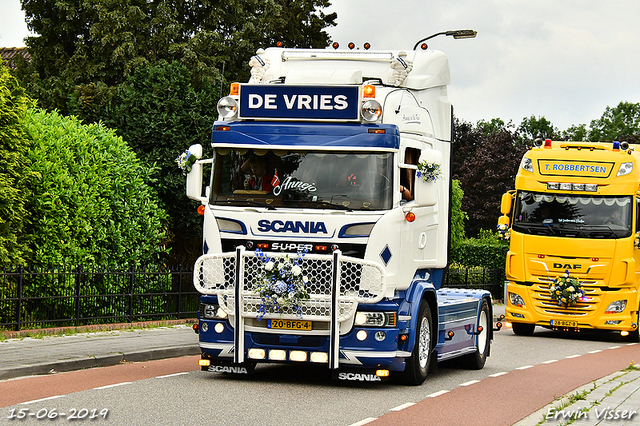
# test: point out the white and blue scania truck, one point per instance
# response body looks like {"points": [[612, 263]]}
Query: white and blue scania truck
{"points": [[327, 219]]}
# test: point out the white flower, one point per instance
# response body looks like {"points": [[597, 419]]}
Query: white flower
{"points": [[268, 266], [296, 270], [571, 289], [305, 279]]}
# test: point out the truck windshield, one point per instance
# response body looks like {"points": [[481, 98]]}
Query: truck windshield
{"points": [[303, 179], [569, 215]]}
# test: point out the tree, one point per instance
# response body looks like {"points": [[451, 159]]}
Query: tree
{"points": [[458, 217], [15, 175], [92, 204], [488, 174], [621, 123], [160, 113], [532, 128]]}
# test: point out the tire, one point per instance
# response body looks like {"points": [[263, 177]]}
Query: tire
{"points": [[634, 336], [521, 329], [476, 360], [417, 366]]}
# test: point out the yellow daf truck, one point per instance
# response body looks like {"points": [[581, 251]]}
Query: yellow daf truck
{"points": [[573, 220]]}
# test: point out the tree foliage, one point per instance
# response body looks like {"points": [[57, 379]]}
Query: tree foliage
{"points": [[487, 172], [152, 70], [621, 123], [92, 204], [458, 216], [14, 170]]}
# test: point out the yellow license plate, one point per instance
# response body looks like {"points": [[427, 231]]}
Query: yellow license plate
{"points": [[563, 323], [289, 324]]}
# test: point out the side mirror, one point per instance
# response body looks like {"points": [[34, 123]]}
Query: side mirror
{"points": [[194, 177], [426, 185], [505, 203]]}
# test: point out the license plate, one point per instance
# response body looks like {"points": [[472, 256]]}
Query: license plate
{"points": [[289, 324], [563, 323]]}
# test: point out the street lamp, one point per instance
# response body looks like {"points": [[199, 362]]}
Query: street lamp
{"points": [[456, 34]]}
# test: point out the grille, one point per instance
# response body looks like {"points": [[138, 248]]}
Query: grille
{"points": [[543, 302], [360, 282]]}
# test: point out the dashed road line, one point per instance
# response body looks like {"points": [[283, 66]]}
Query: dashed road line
{"points": [[403, 406], [433, 395], [502, 373], [42, 399], [470, 382], [171, 375], [573, 356], [550, 361], [524, 367], [112, 386]]}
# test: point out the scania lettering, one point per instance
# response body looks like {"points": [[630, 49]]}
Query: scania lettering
{"points": [[322, 244], [574, 212]]}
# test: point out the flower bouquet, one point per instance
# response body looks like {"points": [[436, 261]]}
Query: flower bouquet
{"points": [[566, 290], [281, 285], [185, 161], [429, 172]]}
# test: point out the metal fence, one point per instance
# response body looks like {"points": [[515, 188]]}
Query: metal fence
{"points": [[41, 297], [491, 279]]}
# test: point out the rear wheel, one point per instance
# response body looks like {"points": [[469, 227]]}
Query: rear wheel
{"points": [[417, 365], [523, 329], [476, 360]]}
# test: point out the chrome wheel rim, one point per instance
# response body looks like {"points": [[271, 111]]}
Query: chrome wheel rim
{"points": [[424, 343]]}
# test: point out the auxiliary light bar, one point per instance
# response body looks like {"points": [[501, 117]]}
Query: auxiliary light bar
{"points": [[586, 187], [288, 55]]}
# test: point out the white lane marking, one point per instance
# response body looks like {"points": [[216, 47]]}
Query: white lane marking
{"points": [[42, 399], [433, 395], [596, 351], [550, 361], [113, 386], [364, 421], [171, 375], [470, 382], [502, 373], [614, 347], [403, 406], [525, 367], [573, 356]]}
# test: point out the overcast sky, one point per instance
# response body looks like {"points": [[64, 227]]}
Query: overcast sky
{"points": [[566, 60]]}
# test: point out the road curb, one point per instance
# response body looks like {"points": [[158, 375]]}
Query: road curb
{"points": [[98, 361]]}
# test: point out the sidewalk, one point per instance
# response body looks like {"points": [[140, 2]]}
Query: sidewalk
{"points": [[31, 356], [614, 399]]}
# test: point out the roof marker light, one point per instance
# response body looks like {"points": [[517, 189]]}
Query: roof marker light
{"points": [[351, 45], [368, 91], [410, 217], [335, 45], [235, 89], [367, 46]]}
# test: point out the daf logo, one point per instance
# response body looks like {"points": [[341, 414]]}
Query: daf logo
{"points": [[567, 266]]}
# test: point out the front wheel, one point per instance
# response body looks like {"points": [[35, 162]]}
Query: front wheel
{"points": [[476, 360], [523, 329], [417, 365]]}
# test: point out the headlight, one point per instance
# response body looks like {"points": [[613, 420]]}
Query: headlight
{"points": [[616, 307], [371, 111], [375, 319], [527, 164], [516, 300], [227, 107], [212, 311]]}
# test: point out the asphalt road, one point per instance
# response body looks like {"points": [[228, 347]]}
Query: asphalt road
{"points": [[175, 392]]}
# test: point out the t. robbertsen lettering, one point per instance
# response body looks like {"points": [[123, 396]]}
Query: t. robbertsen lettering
{"points": [[600, 414]]}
